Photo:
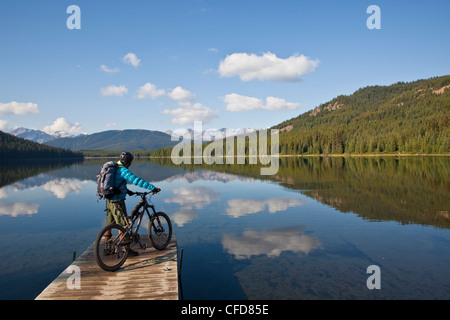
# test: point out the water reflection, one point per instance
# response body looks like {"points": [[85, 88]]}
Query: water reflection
{"points": [[410, 190], [189, 199], [18, 170], [59, 187], [305, 233], [270, 243], [241, 207], [18, 208], [62, 187], [193, 197], [208, 175]]}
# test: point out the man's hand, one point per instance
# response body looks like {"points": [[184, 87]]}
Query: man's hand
{"points": [[130, 193], [156, 190]]}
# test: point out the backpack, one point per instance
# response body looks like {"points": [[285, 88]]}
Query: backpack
{"points": [[106, 180]]}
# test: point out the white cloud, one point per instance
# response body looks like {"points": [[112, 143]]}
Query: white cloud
{"points": [[180, 94], [114, 91], [132, 59], [3, 124], [108, 69], [188, 113], [266, 67], [149, 90], [236, 102], [213, 50], [18, 108], [63, 128]]}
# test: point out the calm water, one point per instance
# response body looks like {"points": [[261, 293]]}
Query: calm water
{"points": [[310, 232]]}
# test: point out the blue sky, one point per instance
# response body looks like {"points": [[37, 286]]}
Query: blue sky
{"points": [[232, 64]]}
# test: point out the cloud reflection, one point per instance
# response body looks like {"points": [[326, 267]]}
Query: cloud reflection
{"points": [[3, 193], [190, 199], [18, 208], [241, 207], [269, 242], [63, 186]]}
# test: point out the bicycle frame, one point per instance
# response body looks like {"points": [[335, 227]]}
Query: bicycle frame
{"points": [[138, 212]]}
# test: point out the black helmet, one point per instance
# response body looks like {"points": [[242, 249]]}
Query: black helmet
{"points": [[126, 158]]}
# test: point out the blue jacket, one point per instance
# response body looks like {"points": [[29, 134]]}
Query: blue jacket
{"points": [[123, 175]]}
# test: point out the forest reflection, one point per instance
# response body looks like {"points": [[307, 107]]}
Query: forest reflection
{"points": [[403, 189]]}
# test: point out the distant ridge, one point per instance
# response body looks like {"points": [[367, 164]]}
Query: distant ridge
{"points": [[116, 140]]}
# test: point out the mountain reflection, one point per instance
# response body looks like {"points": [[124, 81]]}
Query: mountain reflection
{"points": [[270, 242]]}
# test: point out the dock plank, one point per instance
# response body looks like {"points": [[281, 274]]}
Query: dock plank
{"points": [[152, 275]]}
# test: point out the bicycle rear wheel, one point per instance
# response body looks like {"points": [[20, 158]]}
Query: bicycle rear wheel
{"points": [[111, 251], [160, 230]]}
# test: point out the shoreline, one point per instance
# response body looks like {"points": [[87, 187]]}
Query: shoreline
{"points": [[301, 155]]}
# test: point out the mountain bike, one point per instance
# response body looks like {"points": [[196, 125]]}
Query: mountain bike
{"points": [[114, 241]]}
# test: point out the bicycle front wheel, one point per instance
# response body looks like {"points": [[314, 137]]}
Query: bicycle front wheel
{"points": [[160, 230], [111, 247]]}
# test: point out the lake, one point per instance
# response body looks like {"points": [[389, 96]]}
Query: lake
{"points": [[312, 231]]}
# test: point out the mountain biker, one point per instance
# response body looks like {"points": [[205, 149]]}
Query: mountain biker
{"points": [[116, 211]]}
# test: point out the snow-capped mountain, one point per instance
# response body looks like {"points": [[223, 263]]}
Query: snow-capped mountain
{"points": [[209, 134], [38, 135], [32, 135]]}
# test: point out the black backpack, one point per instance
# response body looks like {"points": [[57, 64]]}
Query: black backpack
{"points": [[106, 180]]}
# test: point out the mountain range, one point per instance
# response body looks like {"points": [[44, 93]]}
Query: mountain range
{"points": [[130, 139]]}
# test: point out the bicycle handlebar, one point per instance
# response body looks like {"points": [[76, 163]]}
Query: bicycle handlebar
{"points": [[136, 193]]}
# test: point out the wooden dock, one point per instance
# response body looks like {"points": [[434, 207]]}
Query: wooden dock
{"points": [[152, 275]]}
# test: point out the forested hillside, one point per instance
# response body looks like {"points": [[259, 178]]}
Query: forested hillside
{"points": [[401, 118], [12, 148], [116, 140]]}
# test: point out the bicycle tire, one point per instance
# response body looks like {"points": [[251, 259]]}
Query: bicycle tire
{"points": [[111, 257], [160, 230]]}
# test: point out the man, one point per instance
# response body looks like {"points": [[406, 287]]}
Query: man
{"points": [[116, 211]]}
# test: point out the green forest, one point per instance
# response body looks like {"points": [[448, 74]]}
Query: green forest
{"points": [[401, 118], [12, 148]]}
